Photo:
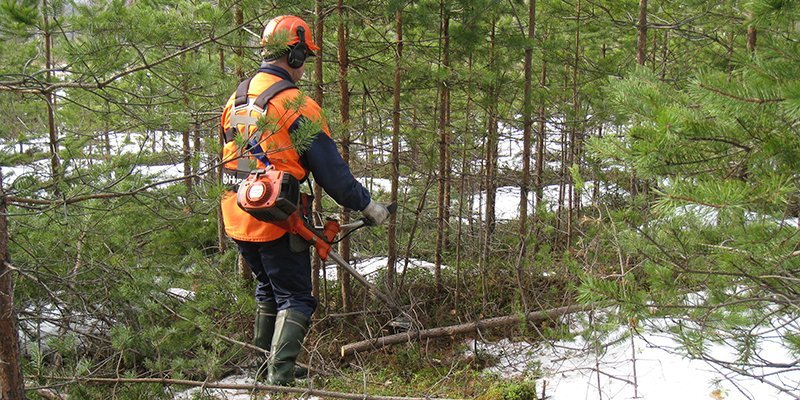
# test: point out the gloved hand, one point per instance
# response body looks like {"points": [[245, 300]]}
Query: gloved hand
{"points": [[375, 213]]}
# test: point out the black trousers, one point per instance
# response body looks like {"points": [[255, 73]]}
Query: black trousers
{"points": [[283, 276]]}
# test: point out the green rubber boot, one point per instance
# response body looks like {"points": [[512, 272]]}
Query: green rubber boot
{"points": [[266, 314], [290, 330]]}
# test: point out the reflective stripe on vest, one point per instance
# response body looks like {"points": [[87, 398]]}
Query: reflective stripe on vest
{"points": [[242, 116]]}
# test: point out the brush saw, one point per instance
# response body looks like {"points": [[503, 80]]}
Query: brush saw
{"points": [[274, 196]]}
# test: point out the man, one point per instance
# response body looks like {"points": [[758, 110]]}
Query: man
{"points": [[283, 293]]}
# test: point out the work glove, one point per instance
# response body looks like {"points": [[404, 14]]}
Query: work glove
{"points": [[375, 213]]}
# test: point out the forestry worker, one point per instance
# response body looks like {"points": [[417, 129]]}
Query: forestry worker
{"points": [[283, 294]]}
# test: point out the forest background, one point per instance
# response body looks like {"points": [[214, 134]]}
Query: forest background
{"points": [[653, 145]]}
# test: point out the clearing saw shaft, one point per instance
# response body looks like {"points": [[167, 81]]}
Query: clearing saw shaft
{"points": [[322, 243]]}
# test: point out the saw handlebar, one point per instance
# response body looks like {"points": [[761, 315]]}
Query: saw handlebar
{"points": [[359, 223], [323, 237]]}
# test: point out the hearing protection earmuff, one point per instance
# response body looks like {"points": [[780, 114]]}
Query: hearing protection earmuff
{"points": [[298, 52]]}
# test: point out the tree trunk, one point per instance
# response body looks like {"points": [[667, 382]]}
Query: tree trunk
{"points": [[465, 171], [239, 48], [664, 55], [11, 382], [391, 267], [187, 161], [244, 270], [527, 129], [576, 139], [538, 177], [316, 262], [55, 162], [222, 242], [641, 33], [344, 97], [490, 174], [443, 148], [752, 35], [641, 54], [187, 138]]}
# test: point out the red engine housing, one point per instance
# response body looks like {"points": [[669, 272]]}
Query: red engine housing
{"points": [[269, 195]]}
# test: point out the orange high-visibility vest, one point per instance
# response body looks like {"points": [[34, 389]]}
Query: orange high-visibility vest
{"points": [[285, 108]]}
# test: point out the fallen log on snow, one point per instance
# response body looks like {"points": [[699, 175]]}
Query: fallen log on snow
{"points": [[453, 330]]}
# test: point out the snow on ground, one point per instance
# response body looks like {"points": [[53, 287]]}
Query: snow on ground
{"points": [[121, 143], [181, 294], [11, 174], [227, 394], [647, 366], [709, 216], [369, 267], [507, 199], [51, 322], [232, 394]]}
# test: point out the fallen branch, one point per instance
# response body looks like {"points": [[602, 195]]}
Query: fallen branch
{"points": [[237, 386], [379, 342]]}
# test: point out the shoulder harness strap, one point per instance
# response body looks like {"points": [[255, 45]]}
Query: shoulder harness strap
{"points": [[241, 93], [260, 103], [272, 91], [249, 122]]}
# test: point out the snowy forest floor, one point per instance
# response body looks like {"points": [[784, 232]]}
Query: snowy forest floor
{"points": [[622, 363]]}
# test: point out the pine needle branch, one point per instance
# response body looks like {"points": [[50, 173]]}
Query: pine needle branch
{"points": [[745, 99]]}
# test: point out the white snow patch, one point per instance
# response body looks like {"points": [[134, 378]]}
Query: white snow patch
{"points": [[36, 168], [507, 199], [233, 394], [161, 172], [50, 322], [181, 294], [376, 185], [649, 366], [226, 394], [369, 267]]}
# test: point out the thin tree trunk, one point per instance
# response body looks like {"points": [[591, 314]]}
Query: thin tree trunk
{"points": [[187, 159], [641, 54], [244, 270], [654, 53], [187, 139], [752, 35], [239, 48], [443, 148], [316, 263], [577, 135], [566, 151], [491, 168], [391, 267], [665, 55], [11, 382], [222, 242], [641, 33], [538, 177], [412, 234], [526, 149], [344, 98], [448, 170], [465, 170], [55, 162], [527, 129], [197, 145]]}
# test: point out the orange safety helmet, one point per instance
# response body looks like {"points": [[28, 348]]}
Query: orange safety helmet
{"points": [[288, 25]]}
